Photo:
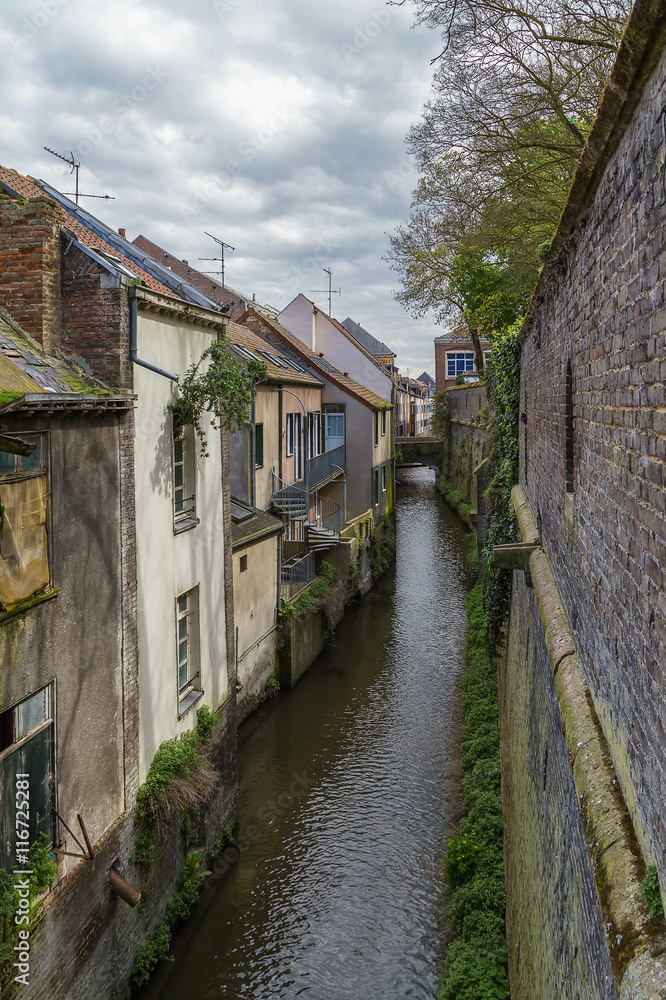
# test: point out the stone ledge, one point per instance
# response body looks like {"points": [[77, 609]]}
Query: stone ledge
{"points": [[638, 955]]}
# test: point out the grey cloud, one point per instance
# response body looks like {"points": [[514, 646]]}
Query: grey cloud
{"points": [[320, 188]]}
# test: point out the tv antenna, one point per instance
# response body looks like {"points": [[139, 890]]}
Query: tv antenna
{"points": [[330, 291], [223, 246], [75, 167]]}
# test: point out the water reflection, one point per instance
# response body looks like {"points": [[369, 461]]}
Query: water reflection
{"points": [[334, 895]]}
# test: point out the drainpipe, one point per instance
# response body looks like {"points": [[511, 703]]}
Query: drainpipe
{"points": [[133, 340], [344, 494]]}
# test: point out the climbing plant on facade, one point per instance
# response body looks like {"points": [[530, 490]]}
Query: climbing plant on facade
{"points": [[502, 375], [218, 383]]}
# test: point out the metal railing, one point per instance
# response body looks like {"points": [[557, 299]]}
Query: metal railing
{"points": [[296, 576], [288, 497], [323, 466], [329, 515]]}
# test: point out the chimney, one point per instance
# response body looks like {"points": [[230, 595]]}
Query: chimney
{"points": [[121, 232], [30, 266]]}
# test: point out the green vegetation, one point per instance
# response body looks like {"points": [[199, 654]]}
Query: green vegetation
{"points": [[455, 499], [220, 383], [313, 598], [652, 894], [44, 870], [476, 959], [516, 89], [503, 389], [182, 778], [382, 552], [178, 909]]}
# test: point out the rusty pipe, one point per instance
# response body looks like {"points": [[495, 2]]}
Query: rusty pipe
{"points": [[123, 888]]}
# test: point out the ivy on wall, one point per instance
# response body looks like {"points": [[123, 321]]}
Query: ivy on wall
{"points": [[221, 384], [502, 377]]}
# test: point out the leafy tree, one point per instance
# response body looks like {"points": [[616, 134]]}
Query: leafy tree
{"points": [[515, 91]]}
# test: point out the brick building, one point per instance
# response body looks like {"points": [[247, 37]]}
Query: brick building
{"points": [[454, 355], [587, 647]]}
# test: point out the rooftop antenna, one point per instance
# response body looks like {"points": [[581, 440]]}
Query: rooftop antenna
{"points": [[75, 166], [223, 246], [331, 291]]}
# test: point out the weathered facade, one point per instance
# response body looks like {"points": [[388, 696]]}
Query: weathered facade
{"points": [[587, 644]]}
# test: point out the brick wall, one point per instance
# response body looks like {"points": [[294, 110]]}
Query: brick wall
{"points": [[30, 265], [95, 318], [601, 310], [555, 931]]}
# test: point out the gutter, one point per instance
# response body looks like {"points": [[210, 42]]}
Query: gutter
{"points": [[133, 340]]}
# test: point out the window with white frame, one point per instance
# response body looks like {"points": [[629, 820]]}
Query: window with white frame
{"points": [[459, 362], [289, 435], [27, 773], [184, 476], [187, 644]]}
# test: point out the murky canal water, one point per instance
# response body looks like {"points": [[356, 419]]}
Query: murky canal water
{"points": [[343, 799]]}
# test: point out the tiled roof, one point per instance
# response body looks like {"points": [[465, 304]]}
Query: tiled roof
{"points": [[323, 368], [251, 529], [26, 370], [279, 370], [26, 187]]}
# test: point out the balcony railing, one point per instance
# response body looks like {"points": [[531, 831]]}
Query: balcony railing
{"points": [[296, 576], [324, 466]]}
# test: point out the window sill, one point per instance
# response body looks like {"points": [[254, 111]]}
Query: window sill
{"points": [[191, 522], [188, 702], [31, 602]]}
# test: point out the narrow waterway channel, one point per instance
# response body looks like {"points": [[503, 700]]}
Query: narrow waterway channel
{"points": [[345, 799]]}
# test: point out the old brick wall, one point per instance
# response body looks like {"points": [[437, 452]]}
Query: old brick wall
{"points": [[602, 311], [469, 440], [30, 265], [95, 318], [555, 931]]}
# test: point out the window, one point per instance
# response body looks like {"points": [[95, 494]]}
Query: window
{"points": [[383, 479], [458, 363], [383, 422], [187, 644], [258, 445], [27, 748], [298, 446], [289, 442], [184, 477], [24, 560], [376, 426], [315, 434], [243, 564]]}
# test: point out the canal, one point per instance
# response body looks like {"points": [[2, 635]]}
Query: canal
{"points": [[348, 787]]}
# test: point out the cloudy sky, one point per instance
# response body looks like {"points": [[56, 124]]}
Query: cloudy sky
{"points": [[277, 125]]}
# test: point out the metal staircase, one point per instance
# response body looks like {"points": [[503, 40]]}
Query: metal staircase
{"points": [[321, 533]]}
